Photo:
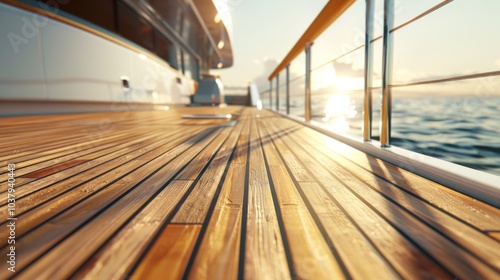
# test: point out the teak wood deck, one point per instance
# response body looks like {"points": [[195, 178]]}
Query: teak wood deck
{"points": [[152, 195]]}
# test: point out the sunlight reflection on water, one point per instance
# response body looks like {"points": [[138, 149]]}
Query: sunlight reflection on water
{"points": [[338, 110]]}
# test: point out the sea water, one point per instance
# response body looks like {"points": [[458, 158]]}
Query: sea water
{"points": [[463, 130]]}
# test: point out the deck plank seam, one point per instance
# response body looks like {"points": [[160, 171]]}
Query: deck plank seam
{"points": [[72, 145], [396, 201], [373, 209], [352, 221], [82, 151], [96, 166], [207, 132], [85, 152], [403, 189], [313, 214], [448, 189], [175, 209], [415, 217], [244, 209], [167, 220], [277, 209], [213, 203], [441, 231]]}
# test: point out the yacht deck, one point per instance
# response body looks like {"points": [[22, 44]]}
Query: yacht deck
{"points": [[150, 194]]}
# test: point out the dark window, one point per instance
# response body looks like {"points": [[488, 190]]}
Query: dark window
{"points": [[100, 12], [173, 58], [194, 68], [170, 11], [162, 46], [135, 28], [180, 59]]}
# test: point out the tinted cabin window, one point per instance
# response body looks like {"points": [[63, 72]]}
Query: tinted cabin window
{"points": [[173, 57], [162, 46], [170, 11], [187, 65], [180, 60], [99, 12], [134, 28]]}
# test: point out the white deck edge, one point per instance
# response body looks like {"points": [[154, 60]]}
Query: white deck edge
{"points": [[477, 184]]}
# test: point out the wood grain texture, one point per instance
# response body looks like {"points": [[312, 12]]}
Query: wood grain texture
{"points": [[78, 187], [195, 208], [168, 257], [462, 233], [36, 242], [102, 163], [310, 252], [264, 256], [432, 241], [82, 244], [118, 256], [85, 140], [270, 199], [367, 243], [218, 254], [474, 212], [95, 151], [55, 168], [495, 235], [194, 168]]}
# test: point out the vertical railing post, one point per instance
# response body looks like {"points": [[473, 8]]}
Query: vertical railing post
{"points": [[271, 94], [367, 112], [385, 113], [278, 92], [307, 109], [288, 89]]}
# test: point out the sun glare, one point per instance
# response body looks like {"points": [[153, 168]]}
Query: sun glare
{"points": [[324, 77], [327, 77], [348, 83], [338, 110]]}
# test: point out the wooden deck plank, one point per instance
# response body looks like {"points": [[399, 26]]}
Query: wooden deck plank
{"points": [[81, 245], [495, 235], [83, 124], [170, 253], [59, 148], [461, 233], [355, 229], [474, 212], [311, 254], [64, 133], [195, 207], [195, 167], [219, 251], [264, 255], [91, 153], [265, 197], [24, 146], [41, 190], [121, 253], [38, 241], [106, 150], [54, 168], [435, 244]]}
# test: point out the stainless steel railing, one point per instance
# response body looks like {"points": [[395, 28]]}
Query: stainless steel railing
{"points": [[332, 11]]}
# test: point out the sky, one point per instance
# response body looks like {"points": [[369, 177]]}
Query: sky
{"points": [[263, 33], [460, 38]]}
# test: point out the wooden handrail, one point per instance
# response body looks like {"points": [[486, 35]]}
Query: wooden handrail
{"points": [[332, 10]]}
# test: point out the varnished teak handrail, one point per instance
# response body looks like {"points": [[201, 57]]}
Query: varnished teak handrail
{"points": [[331, 12]]}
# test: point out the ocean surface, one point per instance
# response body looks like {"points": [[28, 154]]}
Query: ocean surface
{"points": [[462, 130]]}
